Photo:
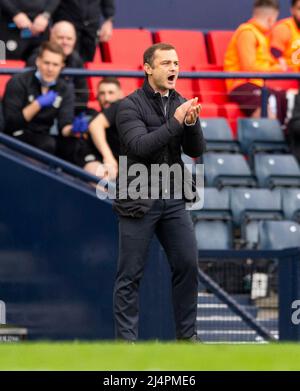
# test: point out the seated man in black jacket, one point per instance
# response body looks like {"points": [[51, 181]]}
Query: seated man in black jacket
{"points": [[155, 124], [35, 100], [24, 25], [64, 34]]}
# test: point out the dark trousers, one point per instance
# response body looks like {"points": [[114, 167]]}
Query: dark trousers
{"points": [[174, 229]]}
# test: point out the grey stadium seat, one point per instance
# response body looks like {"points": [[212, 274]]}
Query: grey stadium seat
{"points": [[249, 206], [274, 170], [291, 204], [278, 235], [261, 135], [226, 169], [218, 135], [212, 223]]}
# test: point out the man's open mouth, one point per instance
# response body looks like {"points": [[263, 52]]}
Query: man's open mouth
{"points": [[171, 78]]}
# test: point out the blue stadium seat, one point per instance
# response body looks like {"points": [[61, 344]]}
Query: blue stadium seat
{"points": [[249, 206], [291, 204], [213, 235], [261, 135], [278, 235], [226, 169], [213, 223], [274, 170], [218, 135]]}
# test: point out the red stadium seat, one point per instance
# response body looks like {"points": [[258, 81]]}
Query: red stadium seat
{"points": [[209, 110], [97, 57], [93, 104], [232, 112], [217, 45], [128, 84], [190, 46], [126, 47], [212, 91], [283, 84], [4, 78]]}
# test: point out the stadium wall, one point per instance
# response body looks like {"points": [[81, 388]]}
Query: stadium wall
{"points": [[186, 14]]}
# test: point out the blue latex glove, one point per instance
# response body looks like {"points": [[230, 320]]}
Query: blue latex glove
{"points": [[47, 100], [80, 124]]}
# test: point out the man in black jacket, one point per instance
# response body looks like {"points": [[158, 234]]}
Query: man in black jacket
{"points": [[86, 15], [24, 25], [35, 100], [64, 34], [154, 124]]}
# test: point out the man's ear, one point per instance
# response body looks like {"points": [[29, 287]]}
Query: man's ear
{"points": [[148, 69]]}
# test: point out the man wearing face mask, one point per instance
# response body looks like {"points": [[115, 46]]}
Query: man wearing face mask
{"points": [[285, 39], [35, 100], [248, 51], [63, 33]]}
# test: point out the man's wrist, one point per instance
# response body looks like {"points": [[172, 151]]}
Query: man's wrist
{"points": [[188, 124]]}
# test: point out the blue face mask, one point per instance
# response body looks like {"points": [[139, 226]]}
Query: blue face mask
{"points": [[43, 82]]}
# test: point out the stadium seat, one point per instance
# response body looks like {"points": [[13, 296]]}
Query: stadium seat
{"points": [[126, 47], [261, 135], [225, 169], [232, 112], [282, 84], [274, 170], [218, 135], [213, 225], [4, 78], [291, 204], [211, 90], [217, 45], [213, 235], [190, 46], [248, 206], [97, 57], [209, 110], [278, 235], [128, 84]]}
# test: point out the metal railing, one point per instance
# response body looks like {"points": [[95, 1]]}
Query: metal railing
{"points": [[184, 75]]}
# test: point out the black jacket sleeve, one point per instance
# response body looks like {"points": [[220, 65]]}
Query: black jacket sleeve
{"points": [[193, 143], [134, 133], [51, 6], [11, 7], [66, 111], [13, 104], [108, 8]]}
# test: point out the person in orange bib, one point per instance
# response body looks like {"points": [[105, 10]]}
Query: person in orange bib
{"points": [[249, 51], [285, 39]]}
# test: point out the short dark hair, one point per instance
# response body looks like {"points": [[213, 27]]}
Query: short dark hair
{"points": [[150, 52], [267, 4], [109, 80], [294, 2], [51, 47]]}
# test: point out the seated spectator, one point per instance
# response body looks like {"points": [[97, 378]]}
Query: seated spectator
{"points": [[24, 25], [86, 16], [248, 51], [99, 154], [35, 100], [294, 129], [64, 34], [285, 39]]}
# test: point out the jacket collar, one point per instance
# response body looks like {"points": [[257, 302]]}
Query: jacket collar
{"points": [[152, 94]]}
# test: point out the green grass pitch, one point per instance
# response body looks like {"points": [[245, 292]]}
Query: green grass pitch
{"points": [[148, 356]]}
